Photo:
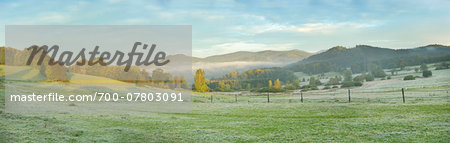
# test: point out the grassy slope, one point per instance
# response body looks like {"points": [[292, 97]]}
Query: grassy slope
{"points": [[242, 122]]}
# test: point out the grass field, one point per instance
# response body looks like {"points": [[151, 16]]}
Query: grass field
{"points": [[220, 122], [323, 117]]}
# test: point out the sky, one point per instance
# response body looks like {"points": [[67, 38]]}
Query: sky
{"points": [[225, 26]]}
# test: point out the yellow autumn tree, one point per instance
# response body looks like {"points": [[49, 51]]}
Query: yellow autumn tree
{"points": [[200, 81], [270, 83], [277, 84], [56, 72]]}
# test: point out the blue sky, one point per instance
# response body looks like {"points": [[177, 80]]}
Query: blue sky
{"points": [[225, 26]]}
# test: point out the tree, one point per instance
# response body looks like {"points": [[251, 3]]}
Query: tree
{"points": [[401, 64], [409, 77], [277, 84], [335, 81], [2, 55], [200, 81], [423, 67], [347, 75], [427, 73], [312, 82], [378, 72], [369, 77], [158, 77], [393, 71], [56, 72], [270, 83], [296, 83], [359, 78], [441, 66]]}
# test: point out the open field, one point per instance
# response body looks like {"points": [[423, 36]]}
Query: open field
{"points": [[376, 114], [242, 122]]}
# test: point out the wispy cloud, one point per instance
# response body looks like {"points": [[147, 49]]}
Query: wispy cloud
{"points": [[321, 28]]}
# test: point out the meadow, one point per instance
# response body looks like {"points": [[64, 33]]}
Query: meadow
{"points": [[324, 116]]}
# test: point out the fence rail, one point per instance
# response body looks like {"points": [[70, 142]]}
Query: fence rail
{"points": [[351, 96]]}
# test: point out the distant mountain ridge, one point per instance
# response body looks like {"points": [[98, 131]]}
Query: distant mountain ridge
{"points": [[219, 65], [346, 57], [268, 55]]}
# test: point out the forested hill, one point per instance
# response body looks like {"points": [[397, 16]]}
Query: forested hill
{"points": [[363, 57]]}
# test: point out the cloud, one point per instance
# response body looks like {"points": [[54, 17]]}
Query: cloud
{"points": [[44, 18], [323, 28], [240, 46], [137, 21], [55, 18]]}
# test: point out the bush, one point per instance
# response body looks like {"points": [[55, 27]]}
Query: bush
{"points": [[305, 87], [358, 78], [442, 66], [347, 84], [268, 89], [378, 72], [351, 84], [409, 77], [389, 77], [290, 87], [427, 73], [335, 86], [314, 88], [355, 83], [369, 77], [326, 87]]}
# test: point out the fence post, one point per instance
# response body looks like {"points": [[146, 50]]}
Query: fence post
{"points": [[211, 98], [235, 98], [349, 96], [268, 98], [403, 94], [301, 96]]}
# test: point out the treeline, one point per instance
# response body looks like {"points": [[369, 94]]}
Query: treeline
{"points": [[363, 66], [2, 55], [59, 72], [247, 80], [14, 57]]}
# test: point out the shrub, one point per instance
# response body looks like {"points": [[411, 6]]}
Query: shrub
{"points": [[378, 72], [359, 78], [347, 84], [441, 66], [305, 87], [357, 83], [335, 86], [326, 87], [389, 77], [409, 77], [314, 88], [427, 73], [369, 77], [268, 89], [351, 84]]}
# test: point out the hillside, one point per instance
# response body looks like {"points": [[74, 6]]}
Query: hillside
{"points": [[341, 57], [268, 55], [219, 65]]}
